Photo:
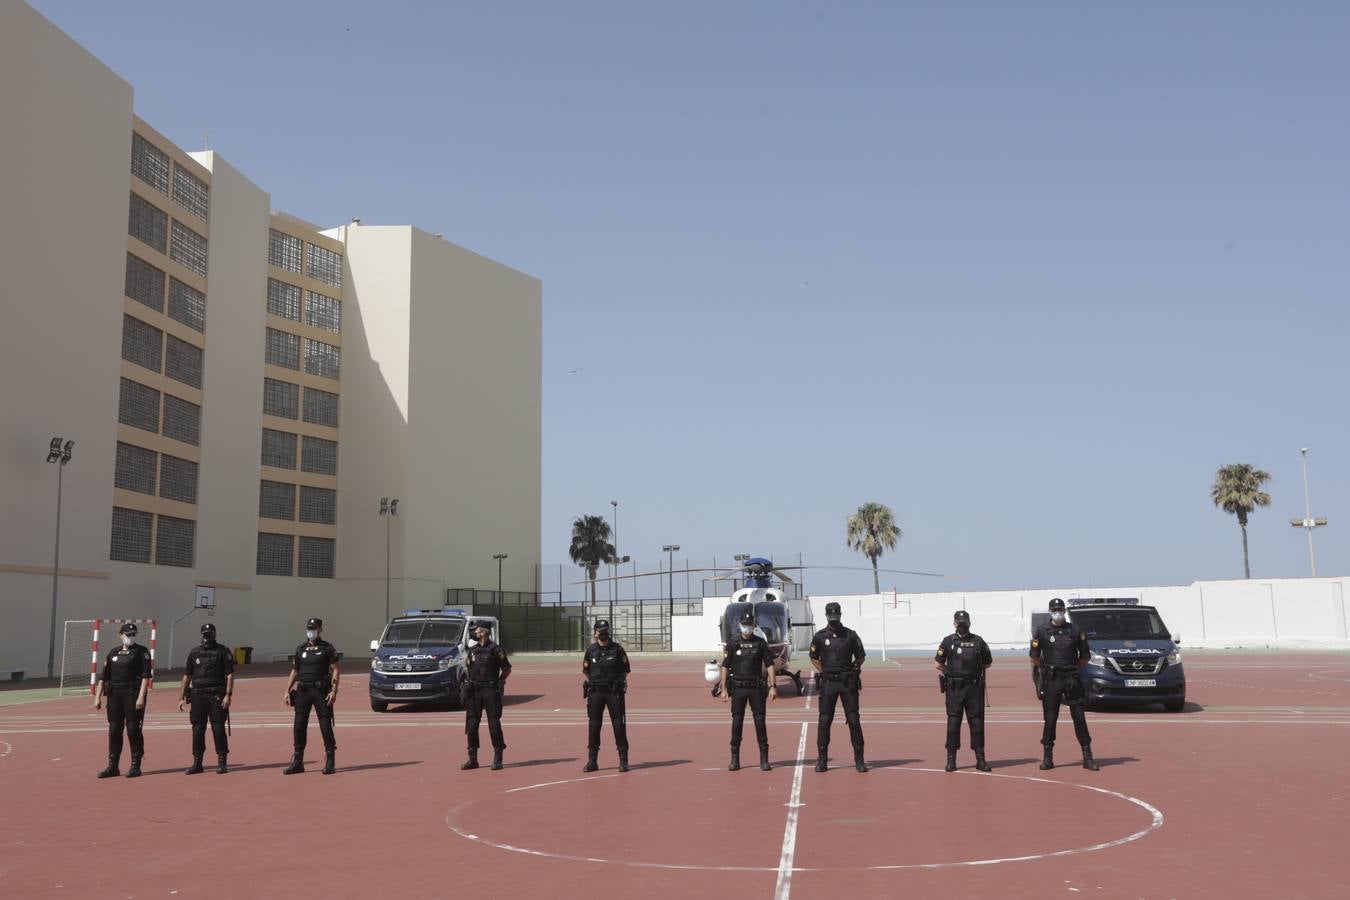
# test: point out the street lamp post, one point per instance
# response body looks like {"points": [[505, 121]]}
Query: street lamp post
{"points": [[670, 569], [388, 509], [499, 557], [1308, 523], [614, 565], [56, 453]]}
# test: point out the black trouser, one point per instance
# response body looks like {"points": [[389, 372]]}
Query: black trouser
{"points": [[123, 714], [305, 698], [755, 696], [206, 705], [484, 697], [965, 695], [832, 689], [602, 697], [1063, 686]]}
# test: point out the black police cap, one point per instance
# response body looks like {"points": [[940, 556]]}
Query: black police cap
{"points": [[602, 624], [833, 609], [314, 623], [479, 623], [129, 628], [747, 618], [1056, 605], [209, 628], [961, 616]]}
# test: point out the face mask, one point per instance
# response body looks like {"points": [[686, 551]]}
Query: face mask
{"points": [[963, 628], [126, 640], [747, 630], [603, 635], [1057, 618], [311, 634], [208, 639], [834, 624]]}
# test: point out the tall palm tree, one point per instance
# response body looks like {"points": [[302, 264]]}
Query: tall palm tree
{"points": [[590, 546], [872, 531], [1237, 488]]}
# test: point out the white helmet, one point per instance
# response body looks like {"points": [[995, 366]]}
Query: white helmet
{"points": [[712, 672]]}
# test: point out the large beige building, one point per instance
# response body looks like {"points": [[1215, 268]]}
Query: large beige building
{"points": [[242, 387]]}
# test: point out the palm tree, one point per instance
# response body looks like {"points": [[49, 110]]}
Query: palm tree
{"points": [[872, 531], [1237, 488], [590, 546]]}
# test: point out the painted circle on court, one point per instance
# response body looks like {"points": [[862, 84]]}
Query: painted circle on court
{"points": [[556, 820]]}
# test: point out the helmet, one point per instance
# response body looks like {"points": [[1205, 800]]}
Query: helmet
{"points": [[313, 623], [128, 629], [712, 672], [1057, 605]]}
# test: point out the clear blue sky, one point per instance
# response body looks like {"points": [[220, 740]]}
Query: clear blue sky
{"points": [[1027, 273]]}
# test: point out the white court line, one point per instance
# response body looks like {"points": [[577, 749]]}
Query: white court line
{"points": [[784, 887]]}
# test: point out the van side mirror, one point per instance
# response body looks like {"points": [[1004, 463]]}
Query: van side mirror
{"points": [[374, 645], [1176, 639]]}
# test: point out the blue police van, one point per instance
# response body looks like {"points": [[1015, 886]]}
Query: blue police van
{"points": [[1134, 659], [420, 657]]}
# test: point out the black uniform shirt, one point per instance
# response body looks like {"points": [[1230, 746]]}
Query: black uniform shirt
{"points": [[604, 664], [208, 666], [1060, 646], [126, 666], [747, 657], [312, 661], [838, 651], [487, 662], [964, 656]]}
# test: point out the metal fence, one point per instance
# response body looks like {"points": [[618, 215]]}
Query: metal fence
{"points": [[526, 627]]}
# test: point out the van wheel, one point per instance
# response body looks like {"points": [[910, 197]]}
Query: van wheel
{"points": [[378, 705], [1175, 705]]}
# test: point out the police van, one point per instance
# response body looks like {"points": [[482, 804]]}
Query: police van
{"points": [[1134, 659], [420, 657]]}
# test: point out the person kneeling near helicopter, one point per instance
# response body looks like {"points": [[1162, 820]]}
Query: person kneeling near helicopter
{"points": [[837, 654], [747, 677]]}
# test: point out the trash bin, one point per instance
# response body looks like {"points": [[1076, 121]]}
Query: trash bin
{"points": [[248, 654], [239, 656]]}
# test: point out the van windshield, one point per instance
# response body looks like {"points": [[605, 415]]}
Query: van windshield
{"points": [[1121, 624], [423, 634]]}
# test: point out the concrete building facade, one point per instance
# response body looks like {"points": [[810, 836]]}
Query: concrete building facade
{"points": [[242, 388]]}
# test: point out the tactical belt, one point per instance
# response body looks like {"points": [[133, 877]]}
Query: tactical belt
{"points": [[607, 685], [123, 685], [740, 682], [208, 689], [1063, 668], [312, 684], [961, 680], [834, 676], [482, 683]]}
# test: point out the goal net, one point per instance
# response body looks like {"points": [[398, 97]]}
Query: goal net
{"points": [[80, 656]]}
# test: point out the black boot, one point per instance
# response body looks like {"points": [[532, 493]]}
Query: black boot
{"points": [[135, 770], [221, 767], [858, 762], [1088, 761], [764, 761], [496, 760], [623, 760], [735, 764], [822, 759], [329, 766], [1048, 762], [591, 764], [195, 768], [297, 764], [472, 761], [980, 764], [112, 771], [951, 761]]}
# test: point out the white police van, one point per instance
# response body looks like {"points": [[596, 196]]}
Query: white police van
{"points": [[420, 657]]}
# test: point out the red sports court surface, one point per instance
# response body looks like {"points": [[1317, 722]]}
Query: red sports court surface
{"points": [[1241, 795]]}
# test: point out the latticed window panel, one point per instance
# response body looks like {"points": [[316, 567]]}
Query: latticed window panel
{"points": [[145, 283], [138, 406], [283, 349], [130, 535], [281, 398], [325, 265], [324, 360], [191, 193], [316, 557], [178, 479], [318, 455], [323, 312], [318, 505], [182, 420], [278, 449], [276, 554], [187, 305], [149, 163], [188, 248], [142, 344], [183, 362], [284, 251], [276, 500], [135, 469], [283, 299], [321, 407], [148, 223], [174, 539]]}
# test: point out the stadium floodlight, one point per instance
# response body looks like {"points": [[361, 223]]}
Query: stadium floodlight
{"points": [[388, 509], [56, 453]]}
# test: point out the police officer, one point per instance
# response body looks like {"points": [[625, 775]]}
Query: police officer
{"points": [[837, 654], [606, 669], [127, 671], [747, 677], [208, 683], [1058, 651], [962, 659], [486, 671], [313, 685]]}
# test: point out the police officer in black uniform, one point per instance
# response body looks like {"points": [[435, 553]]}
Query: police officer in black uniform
{"points": [[747, 677], [208, 683], [962, 658], [313, 685], [1058, 651], [486, 671], [127, 671], [837, 654], [606, 669]]}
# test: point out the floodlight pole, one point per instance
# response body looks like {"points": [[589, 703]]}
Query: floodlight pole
{"points": [[1307, 513], [388, 509], [670, 570], [499, 557], [60, 455]]}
